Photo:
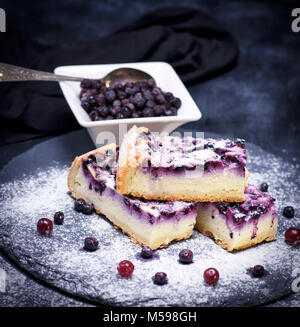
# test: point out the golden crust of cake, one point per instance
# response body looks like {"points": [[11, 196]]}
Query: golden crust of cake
{"points": [[183, 197], [229, 248], [131, 155]]}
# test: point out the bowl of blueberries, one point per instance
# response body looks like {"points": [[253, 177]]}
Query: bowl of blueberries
{"points": [[162, 103]]}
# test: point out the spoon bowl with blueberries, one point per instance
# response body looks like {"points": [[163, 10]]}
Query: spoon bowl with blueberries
{"points": [[104, 98]]}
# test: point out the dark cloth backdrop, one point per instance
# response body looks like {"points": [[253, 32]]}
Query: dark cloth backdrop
{"points": [[195, 44]]}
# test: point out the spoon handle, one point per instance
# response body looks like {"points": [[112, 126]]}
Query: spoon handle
{"points": [[10, 73]]}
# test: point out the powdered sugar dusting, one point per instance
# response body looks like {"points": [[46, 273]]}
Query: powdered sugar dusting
{"points": [[62, 261]]}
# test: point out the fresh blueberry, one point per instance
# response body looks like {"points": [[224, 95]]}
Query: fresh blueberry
{"points": [[146, 252], [88, 209], [119, 115], [117, 103], [91, 99], [258, 271], [94, 115], [135, 115], [169, 112], [160, 278], [151, 83], [176, 102], [288, 212], [148, 112], [103, 111], [91, 244], [264, 187], [158, 110], [126, 112], [86, 83], [59, 218], [160, 99], [100, 98], [186, 256], [85, 105], [78, 205], [110, 95]]}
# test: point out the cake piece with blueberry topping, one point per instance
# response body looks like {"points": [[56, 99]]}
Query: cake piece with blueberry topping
{"points": [[239, 225], [151, 223], [181, 169]]}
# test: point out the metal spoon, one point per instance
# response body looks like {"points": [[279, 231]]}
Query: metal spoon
{"points": [[10, 73]]}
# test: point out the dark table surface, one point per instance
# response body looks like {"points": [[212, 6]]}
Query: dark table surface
{"points": [[258, 100]]}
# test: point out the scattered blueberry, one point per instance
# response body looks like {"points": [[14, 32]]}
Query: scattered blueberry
{"points": [[44, 226], [186, 256], [59, 218], [87, 209], [146, 252], [160, 278], [258, 271], [91, 243], [78, 205], [125, 268], [288, 212], [264, 187]]}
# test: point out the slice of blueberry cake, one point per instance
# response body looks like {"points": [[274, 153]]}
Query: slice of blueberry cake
{"points": [[239, 225], [188, 169], [152, 223]]}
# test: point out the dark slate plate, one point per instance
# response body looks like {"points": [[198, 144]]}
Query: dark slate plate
{"points": [[33, 185]]}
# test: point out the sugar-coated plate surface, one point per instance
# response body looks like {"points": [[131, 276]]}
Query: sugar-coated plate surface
{"points": [[33, 185]]}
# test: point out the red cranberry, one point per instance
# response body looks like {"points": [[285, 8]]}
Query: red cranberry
{"points": [[211, 276], [125, 268], [186, 256], [91, 243], [292, 235], [45, 226]]}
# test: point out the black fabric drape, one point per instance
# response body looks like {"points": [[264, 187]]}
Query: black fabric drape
{"points": [[195, 44]]}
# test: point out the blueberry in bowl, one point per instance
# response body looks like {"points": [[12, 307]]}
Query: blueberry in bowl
{"points": [[128, 100]]}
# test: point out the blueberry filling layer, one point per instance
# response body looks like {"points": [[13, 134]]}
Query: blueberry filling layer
{"points": [[101, 178], [256, 205], [180, 155]]}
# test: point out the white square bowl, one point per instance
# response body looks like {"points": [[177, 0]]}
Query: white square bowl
{"points": [[109, 131]]}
